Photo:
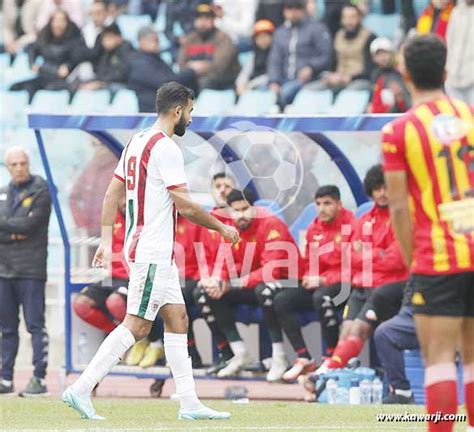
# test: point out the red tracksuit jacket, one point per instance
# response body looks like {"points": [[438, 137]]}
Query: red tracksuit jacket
{"points": [[187, 233], [321, 233], [387, 261], [119, 265], [264, 229]]}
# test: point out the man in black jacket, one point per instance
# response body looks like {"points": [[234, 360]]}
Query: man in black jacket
{"points": [[25, 208], [110, 60], [147, 71]]}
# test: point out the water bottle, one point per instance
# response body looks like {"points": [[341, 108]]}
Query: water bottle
{"points": [[365, 392], [377, 390], [342, 396], [331, 389], [82, 349], [354, 392]]}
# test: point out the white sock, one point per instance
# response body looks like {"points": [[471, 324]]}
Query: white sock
{"points": [[238, 348], [406, 393], [278, 349], [156, 344], [6, 383], [176, 351], [107, 356]]}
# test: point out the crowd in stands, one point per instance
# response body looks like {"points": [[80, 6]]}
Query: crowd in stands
{"points": [[280, 46]]}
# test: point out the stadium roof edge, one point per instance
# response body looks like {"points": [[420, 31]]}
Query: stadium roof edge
{"points": [[283, 123]]}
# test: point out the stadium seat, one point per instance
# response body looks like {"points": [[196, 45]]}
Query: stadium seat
{"points": [[130, 24], [255, 103], [350, 102], [363, 209], [382, 25], [90, 101], [300, 224], [4, 61], [214, 102], [271, 206], [309, 102], [50, 101], [13, 111], [124, 102], [19, 71]]}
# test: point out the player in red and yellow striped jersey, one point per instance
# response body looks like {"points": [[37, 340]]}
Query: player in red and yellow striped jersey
{"points": [[429, 168]]}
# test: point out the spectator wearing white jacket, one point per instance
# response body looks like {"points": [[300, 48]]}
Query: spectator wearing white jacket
{"points": [[460, 62], [236, 18]]}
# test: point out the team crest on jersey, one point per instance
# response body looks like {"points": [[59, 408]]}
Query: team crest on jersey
{"points": [[181, 228], [27, 202], [337, 238], [273, 234], [448, 128], [418, 299]]}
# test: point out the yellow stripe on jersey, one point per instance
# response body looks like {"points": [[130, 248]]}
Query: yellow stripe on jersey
{"points": [[416, 160]]}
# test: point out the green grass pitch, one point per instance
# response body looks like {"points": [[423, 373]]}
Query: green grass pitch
{"points": [[160, 415]]}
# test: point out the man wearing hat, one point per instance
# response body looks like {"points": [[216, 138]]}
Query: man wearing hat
{"points": [[111, 63], [389, 92], [301, 51], [254, 71], [209, 52]]}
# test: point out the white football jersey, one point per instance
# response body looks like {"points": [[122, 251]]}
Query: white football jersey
{"points": [[150, 166]]}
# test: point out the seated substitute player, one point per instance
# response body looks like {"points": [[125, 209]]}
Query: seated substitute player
{"points": [[253, 257], [377, 294], [151, 175], [321, 280], [104, 306], [429, 160], [222, 185]]}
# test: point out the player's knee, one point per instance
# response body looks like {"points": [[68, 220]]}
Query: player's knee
{"points": [[82, 307], [83, 299], [117, 306], [280, 305]]}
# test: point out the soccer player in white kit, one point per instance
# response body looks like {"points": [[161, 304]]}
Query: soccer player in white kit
{"points": [[151, 175]]}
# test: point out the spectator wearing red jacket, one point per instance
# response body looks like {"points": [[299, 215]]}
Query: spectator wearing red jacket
{"points": [[265, 258], [327, 238], [379, 276]]}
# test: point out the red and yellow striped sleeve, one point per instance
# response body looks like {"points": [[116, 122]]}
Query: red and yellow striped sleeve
{"points": [[393, 150]]}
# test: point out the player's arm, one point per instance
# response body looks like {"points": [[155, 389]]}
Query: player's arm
{"points": [[397, 189], [115, 192], [192, 211]]}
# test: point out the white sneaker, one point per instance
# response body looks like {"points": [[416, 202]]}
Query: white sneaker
{"points": [[236, 364], [82, 405], [278, 368], [302, 366], [323, 369], [203, 413]]}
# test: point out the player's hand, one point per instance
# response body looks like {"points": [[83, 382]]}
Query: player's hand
{"points": [[230, 233], [102, 257], [313, 282]]}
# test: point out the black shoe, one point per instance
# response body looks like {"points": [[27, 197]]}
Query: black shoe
{"points": [[34, 389], [220, 363], [6, 390], [397, 399], [195, 357]]}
